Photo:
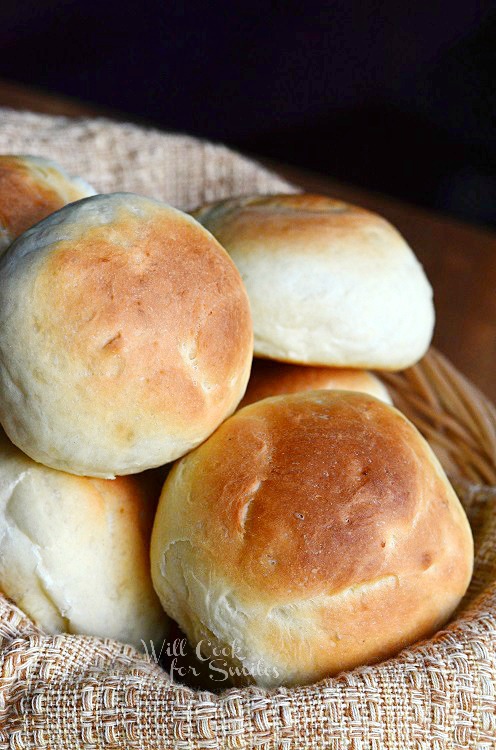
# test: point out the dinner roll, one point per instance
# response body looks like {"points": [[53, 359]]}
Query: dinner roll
{"points": [[269, 378], [125, 336], [30, 189], [74, 552], [329, 283], [311, 533]]}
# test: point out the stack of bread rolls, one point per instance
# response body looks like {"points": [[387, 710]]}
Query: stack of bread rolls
{"points": [[126, 339], [305, 527]]}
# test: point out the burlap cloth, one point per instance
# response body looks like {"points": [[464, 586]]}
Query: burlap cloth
{"points": [[79, 692]]}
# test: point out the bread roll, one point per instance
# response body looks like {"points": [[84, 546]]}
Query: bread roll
{"points": [[30, 189], [329, 283], [74, 552], [269, 378], [125, 336], [311, 533]]}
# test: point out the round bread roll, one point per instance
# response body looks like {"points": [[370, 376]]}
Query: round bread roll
{"points": [[31, 188], [269, 378], [311, 533], [74, 552], [329, 283], [125, 336]]}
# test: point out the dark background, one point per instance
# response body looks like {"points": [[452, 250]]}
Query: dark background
{"points": [[394, 98]]}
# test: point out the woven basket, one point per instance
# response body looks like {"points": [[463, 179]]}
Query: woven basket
{"points": [[79, 692]]}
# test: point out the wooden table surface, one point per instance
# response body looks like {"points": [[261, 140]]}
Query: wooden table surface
{"points": [[459, 258]]}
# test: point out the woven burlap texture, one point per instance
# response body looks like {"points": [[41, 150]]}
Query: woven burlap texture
{"points": [[78, 692]]}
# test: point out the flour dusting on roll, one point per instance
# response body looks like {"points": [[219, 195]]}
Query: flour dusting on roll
{"points": [[329, 283], [74, 552]]}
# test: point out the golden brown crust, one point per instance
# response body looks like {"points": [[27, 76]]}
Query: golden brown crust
{"points": [[269, 378], [299, 218], [23, 202], [349, 477], [325, 521], [137, 323], [298, 203], [26, 198], [129, 331]]}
